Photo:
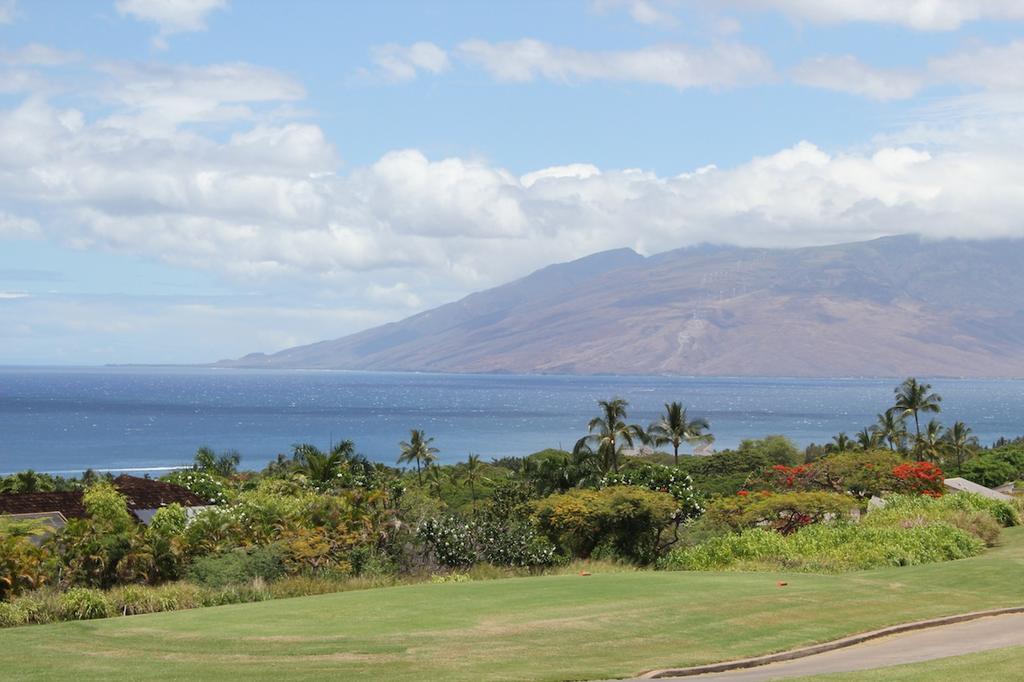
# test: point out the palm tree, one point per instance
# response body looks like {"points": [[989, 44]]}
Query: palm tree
{"points": [[867, 438], [841, 442], [892, 429], [473, 474], [610, 433], [675, 428], [435, 479], [913, 398], [929, 444], [418, 450], [321, 467], [225, 465], [960, 442]]}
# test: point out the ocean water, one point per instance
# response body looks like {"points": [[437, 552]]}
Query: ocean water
{"points": [[146, 419]]}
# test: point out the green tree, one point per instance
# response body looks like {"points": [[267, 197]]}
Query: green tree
{"points": [[320, 467], [436, 479], [867, 439], [473, 474], [418, 450], [676, 427], [892, 429], [609, 434], [961, 443], [841, 442], [224, 465], [913, 398], [930, 445]]}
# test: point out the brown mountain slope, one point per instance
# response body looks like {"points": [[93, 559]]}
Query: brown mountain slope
{"points": [[890, 307]]}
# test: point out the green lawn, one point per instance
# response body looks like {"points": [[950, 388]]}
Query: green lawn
{"points": [[551, 628], [998, 665]]}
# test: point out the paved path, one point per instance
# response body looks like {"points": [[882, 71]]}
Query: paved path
{"points": [[994, 632]]}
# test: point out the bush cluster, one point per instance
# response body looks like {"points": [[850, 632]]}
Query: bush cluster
{"points": [[827, 548]]}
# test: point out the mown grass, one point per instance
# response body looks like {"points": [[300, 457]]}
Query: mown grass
{"points": [[997, 665], [566, 627]]}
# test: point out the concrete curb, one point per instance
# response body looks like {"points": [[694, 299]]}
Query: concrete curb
{"points": [[826, 646]]}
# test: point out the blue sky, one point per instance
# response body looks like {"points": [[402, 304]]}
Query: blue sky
{"points": [[184, 180]]}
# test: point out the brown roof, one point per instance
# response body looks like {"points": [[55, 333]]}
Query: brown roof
{"points": [[146, 493], [68, 503], [142, 493]]}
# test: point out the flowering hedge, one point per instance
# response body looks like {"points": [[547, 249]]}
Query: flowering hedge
{"points": [[861, 474], [456, 543], [202, 483]]}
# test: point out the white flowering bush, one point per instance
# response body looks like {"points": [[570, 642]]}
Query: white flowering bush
{"points": [[663, 479], [457, 543], [202, 483]]}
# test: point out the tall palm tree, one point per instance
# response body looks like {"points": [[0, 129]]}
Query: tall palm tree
{"points": [[418, 450], [892, 429], [610, 433], [929, 444], [472, 475], [676, 428], [912, 398], [960, 441]]}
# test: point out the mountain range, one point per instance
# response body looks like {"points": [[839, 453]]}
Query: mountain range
{"points": [[895, 306]]}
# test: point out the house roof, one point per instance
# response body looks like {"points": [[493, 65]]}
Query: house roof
{"points": [[141, 493], [964, 485], [146, 493]]}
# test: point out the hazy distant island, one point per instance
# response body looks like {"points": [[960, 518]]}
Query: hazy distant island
{"points": [[886, 307]]}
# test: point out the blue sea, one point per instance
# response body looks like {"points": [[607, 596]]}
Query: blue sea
{"points": [[149, 419]]}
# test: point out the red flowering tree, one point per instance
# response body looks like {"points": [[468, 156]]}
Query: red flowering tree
{"points": [[918, 478]]}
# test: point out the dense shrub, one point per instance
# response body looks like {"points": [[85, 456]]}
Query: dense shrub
{"points": [[456, 543], [660, 478], [202, 483], [783, 512], [726, 472], [974, 513], [85, 603], [995, 467], [827, 548], [629, 519], [238, 566], [23, 565]]}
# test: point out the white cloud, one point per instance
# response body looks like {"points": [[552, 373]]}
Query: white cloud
{"points": [[7, 11], [677, 66], [574, 170], [35, 54], [848, 74], [995, 67], [258, 197], [924, 15], [16, 226], [649, 12], [171, 16], [398, 293], [404, 62]]}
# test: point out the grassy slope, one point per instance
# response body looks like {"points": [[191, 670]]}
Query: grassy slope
{"points": [[991, 666], [558, 627]]}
